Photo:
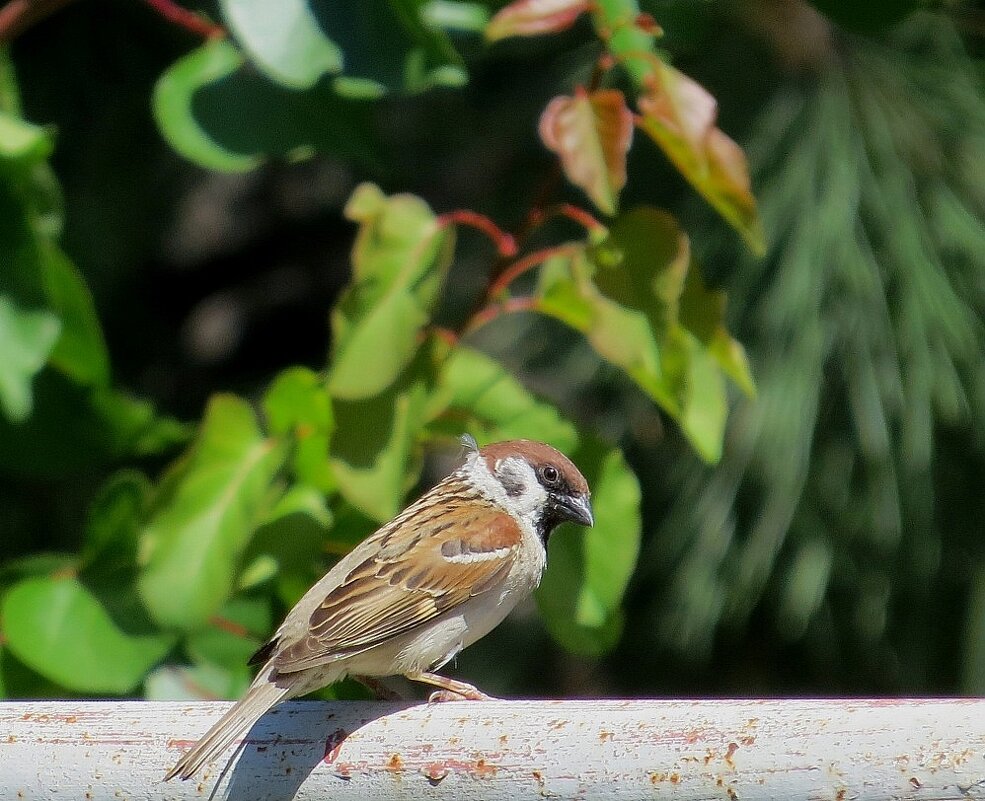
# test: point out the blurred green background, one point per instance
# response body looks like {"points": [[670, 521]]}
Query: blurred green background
{"points": [[174, 229]]}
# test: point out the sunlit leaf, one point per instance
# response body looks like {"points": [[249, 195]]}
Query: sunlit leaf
{"points": [[679, 115], [373, 454], [485, 400], [205, 515], [284, 38], [22, 140], [592, 134], [399, 261], [27, 338], [298, 404], [667, 362], [588, 569], [58, 628], [532, 17], [702, 312]]}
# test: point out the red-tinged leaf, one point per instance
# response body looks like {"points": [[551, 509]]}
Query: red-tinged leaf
{"points": [[591, 134], [679, 115], [532, 17]]}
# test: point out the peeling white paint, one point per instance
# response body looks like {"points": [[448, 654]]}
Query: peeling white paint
{"points": [[840, 750]]}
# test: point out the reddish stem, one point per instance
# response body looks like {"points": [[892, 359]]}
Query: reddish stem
{"points": [[504, 242], [225, 624], [489, 313], [528, 262], [19, 15], [578, 215], [189, 20], [445, 334]]}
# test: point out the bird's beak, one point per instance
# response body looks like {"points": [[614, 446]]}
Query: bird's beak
{"points": [[577, 509]]}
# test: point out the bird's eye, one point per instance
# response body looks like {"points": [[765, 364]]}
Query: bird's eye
{"points": [[550, 474]]}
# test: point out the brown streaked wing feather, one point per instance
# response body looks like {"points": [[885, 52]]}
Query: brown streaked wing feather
{"points": [[409, 581]]}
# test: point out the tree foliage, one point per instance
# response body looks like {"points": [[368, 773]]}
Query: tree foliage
{"points": [[593, 294]]}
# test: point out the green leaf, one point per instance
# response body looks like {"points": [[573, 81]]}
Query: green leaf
{"points": [[298, 404], [20, 140], [80, 351], [455, 15], [588, 570], [58, 628], [233, 636], [174, 96], [289, 545], [484, 399], [216, 110], [26, 340], [115, 517], [75, 429], [399, 261], [702, 312], [389, 45], [205, 515], [679, 115], [592, 134], [672, 367], [373, 453], [533, 17], [284, 39], [204, 682]]}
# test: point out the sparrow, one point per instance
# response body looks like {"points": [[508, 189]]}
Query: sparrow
{"points": [[439, 576]]}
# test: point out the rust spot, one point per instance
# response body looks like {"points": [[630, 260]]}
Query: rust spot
{"points": [[343, 770], [482, 768], [434, 773], [503, 739], [719, 782], [605, 735], [733, 796], [840, 795], [395, 763], [538, 777], [11, 738], [333, 745], [729, 753], [747, 741], [917, 784], [656, 778], [675, 778]]}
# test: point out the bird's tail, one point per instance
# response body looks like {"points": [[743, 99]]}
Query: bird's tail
{"points": [[262, 695]]}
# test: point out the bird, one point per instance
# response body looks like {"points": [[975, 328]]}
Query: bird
{"points": [[440, 575]]}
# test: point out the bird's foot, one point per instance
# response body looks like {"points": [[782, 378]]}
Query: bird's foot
{"points": [[451, 690]]}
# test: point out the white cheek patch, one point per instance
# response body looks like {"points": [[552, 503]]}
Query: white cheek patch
{"points": [[528, 498]]}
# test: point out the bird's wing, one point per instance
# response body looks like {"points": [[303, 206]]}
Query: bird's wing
{"points": [[414, 576]]}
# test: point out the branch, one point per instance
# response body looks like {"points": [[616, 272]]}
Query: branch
{"points": [[189, 20], [797, 750], [19, 15]]}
